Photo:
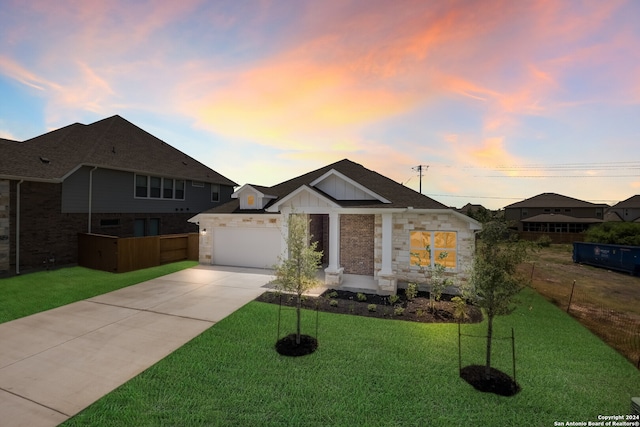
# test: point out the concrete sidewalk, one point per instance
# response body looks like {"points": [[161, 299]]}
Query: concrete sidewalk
{"points": [[56, 363]]}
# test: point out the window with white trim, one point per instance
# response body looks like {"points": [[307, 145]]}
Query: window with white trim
{"points": [[428, 248], [155, 187]]}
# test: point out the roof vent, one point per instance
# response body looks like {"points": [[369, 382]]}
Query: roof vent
{"points": [[45, 160]]}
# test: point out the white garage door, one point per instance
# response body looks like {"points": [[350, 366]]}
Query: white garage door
{"points": [[246, 247]]}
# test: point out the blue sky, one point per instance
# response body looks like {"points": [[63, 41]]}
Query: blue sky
{"points": [[502, 100]]}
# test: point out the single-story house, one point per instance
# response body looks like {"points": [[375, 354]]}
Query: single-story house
{"points": [[365, 224], [109, 177]]}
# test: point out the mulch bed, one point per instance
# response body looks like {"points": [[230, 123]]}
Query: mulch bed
{"points": [[498, 382], [345, 302], [287, 346]]}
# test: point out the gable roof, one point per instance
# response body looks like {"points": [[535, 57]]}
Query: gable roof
{"points": [[630, 203], [553, 200], [111, 143], [395, 193]]}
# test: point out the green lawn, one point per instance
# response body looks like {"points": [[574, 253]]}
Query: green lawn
{"points": [[35, 292], [372, 372]]}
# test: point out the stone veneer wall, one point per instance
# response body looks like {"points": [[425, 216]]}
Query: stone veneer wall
{"points": [[405, 223], [5, 209], [238, 220]]}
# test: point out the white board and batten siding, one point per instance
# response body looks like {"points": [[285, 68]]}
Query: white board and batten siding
{"points": [[340, 189]]}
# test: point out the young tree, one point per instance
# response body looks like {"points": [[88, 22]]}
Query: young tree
{"points": [[494, 274], [434, 275], [297, 272]]}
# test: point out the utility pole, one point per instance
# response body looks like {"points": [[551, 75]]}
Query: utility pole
{"points": [[419, 169]]}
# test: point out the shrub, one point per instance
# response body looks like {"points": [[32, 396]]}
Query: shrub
{"points": [[371, 307], [459, 306], [412, 291], [615, 233], [361, 297], [333, 294], [544, 241], [333, 303], [393, 299], [398, 310]]}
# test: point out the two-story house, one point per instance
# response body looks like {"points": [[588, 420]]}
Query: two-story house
{"points": [[627, 210], [554, 213], [109, 177]]}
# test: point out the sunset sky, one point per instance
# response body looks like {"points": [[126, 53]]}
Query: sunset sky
{"points": [[503, 100]]}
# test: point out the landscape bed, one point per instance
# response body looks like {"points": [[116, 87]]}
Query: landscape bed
{"points": [[417, 309]]}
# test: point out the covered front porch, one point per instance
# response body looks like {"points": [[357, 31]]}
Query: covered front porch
{"points": [[356, 246]]}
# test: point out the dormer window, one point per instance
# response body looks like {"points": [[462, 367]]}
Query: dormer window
{"points": [[252, 197]]}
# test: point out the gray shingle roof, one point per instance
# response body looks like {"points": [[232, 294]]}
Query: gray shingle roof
{"points": [[399, 195], [553, 200], [630, 203], [111, 143]]}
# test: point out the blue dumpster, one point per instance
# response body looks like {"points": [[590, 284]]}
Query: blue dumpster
{"points": [[613, 257]]}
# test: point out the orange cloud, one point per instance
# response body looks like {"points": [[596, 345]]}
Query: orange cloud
{"points": [[290, 102], [14, 70]]}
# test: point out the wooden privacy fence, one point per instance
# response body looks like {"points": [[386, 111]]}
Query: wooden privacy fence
{"points": [[122, 254], [555, 237]]}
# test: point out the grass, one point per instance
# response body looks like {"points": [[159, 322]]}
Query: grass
{"points": [[35, 292], [606, 302], [373, 372]]}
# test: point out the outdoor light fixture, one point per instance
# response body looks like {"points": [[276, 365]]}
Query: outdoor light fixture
{"points": [[204, 232]]}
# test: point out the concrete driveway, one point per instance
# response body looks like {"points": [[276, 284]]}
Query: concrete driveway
{"points": [[56, 363]]}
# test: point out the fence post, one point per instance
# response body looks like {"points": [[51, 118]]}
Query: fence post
{"points": [[279, 316], [571, 296], [533, 267], [513, 353], [459, 351]]}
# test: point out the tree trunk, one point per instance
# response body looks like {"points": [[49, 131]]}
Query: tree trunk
{"points": [[298, 308], [489, 339]]}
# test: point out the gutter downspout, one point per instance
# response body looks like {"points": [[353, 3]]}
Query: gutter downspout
{"points": [[18, 226], [90, 196]]}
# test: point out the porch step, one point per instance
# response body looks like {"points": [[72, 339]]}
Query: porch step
{"points": [[357, 283]]}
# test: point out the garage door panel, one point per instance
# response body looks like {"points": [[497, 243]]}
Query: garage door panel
{"points": [[246, 247]]}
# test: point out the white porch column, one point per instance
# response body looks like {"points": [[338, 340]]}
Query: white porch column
{"points": [[387, 244], [284, 232], [333, 273], [387, 283]]}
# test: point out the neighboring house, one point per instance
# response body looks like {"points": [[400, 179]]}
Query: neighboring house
{"points": [[365, 224], [626, 210], [554, 213], [109, 177]]}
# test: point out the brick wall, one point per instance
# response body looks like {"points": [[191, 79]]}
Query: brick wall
{"points": [[47, 234], [4, 225], [357, 244]]}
